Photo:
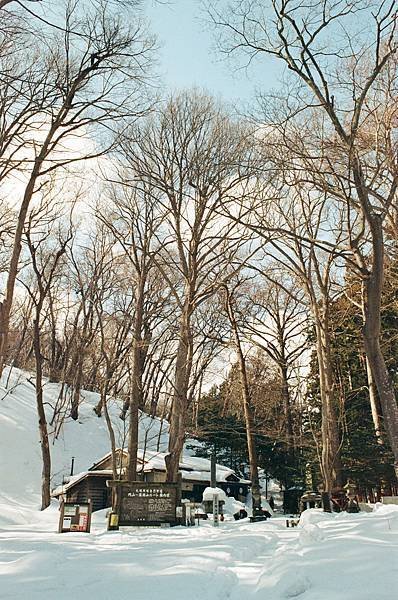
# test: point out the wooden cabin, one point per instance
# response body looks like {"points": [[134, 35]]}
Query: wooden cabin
{"points": [[195, 477], [86, 485]]}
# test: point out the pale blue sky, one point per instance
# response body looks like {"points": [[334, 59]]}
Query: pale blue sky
{"points": [[188, 58]]}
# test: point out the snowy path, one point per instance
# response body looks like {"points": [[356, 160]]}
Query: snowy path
{"points": [[328, 558], [140, 563]]}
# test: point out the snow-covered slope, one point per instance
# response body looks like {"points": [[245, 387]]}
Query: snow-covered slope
{"points": [[86, 439]]}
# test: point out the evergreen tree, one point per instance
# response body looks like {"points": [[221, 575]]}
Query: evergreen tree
{"points": [[366, 461], [220, 426]]}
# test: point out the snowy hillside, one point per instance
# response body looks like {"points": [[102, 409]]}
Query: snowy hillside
{"points": [[86, 439]]}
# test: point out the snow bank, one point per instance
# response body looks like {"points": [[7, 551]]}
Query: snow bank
{"points": [[210, 492], [310, 533], [313, 516], [334, 556], [233, 506], [385, 509]]}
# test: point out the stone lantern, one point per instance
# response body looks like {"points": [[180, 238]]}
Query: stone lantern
{"points": [[351, 492], [310, 499]]}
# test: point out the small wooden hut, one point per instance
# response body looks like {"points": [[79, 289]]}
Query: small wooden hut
{"points": [[195, 477]]}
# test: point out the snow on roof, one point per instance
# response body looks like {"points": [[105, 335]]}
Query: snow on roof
{"points": [[192, 468], [105, 457], [210, 492], [108, 455], [73, 479]]}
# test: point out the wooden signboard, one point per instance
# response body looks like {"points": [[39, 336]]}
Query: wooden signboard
{"points": [[148, 503], [75, 517]]}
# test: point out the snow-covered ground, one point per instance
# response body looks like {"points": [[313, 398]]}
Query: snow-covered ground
{"points": [[327, 557]]}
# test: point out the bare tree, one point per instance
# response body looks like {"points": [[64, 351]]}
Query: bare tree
{"points": [[46, 255], [247, 401], [338, 79], [84, 82], [277, 322], [195, 158], [290, 223], [89, 279], [134, 221]]}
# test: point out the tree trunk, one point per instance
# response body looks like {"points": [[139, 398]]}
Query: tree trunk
{"points": [[142, 354], [374, 403], [286, 406], [248, 412], [371, 308], [112, 438], [331, 452], [44, 443], [180, 402], [136, 385], [77, 385]]}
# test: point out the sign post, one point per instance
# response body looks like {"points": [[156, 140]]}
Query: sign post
{"points": [[142, 503], [215, 510], [213, 469], [185, 510], [75, 517]]}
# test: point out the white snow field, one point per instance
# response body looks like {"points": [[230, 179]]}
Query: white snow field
{"points": [[327, 557]]}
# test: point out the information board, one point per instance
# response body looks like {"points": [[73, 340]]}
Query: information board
{"points": [[148, 503], [75, 517]]}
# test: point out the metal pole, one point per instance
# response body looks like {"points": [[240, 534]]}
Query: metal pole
{"points": [[72, 465]]}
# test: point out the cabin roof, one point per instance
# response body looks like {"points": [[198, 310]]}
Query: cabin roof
{"points": [[192, 468], [75, 479], [97, 465]]}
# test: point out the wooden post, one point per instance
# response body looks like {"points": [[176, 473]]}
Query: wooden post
{"points": [[327, 507], [90, 510], [61, 516], [179, 491], [215, 510], [213, 473]]}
